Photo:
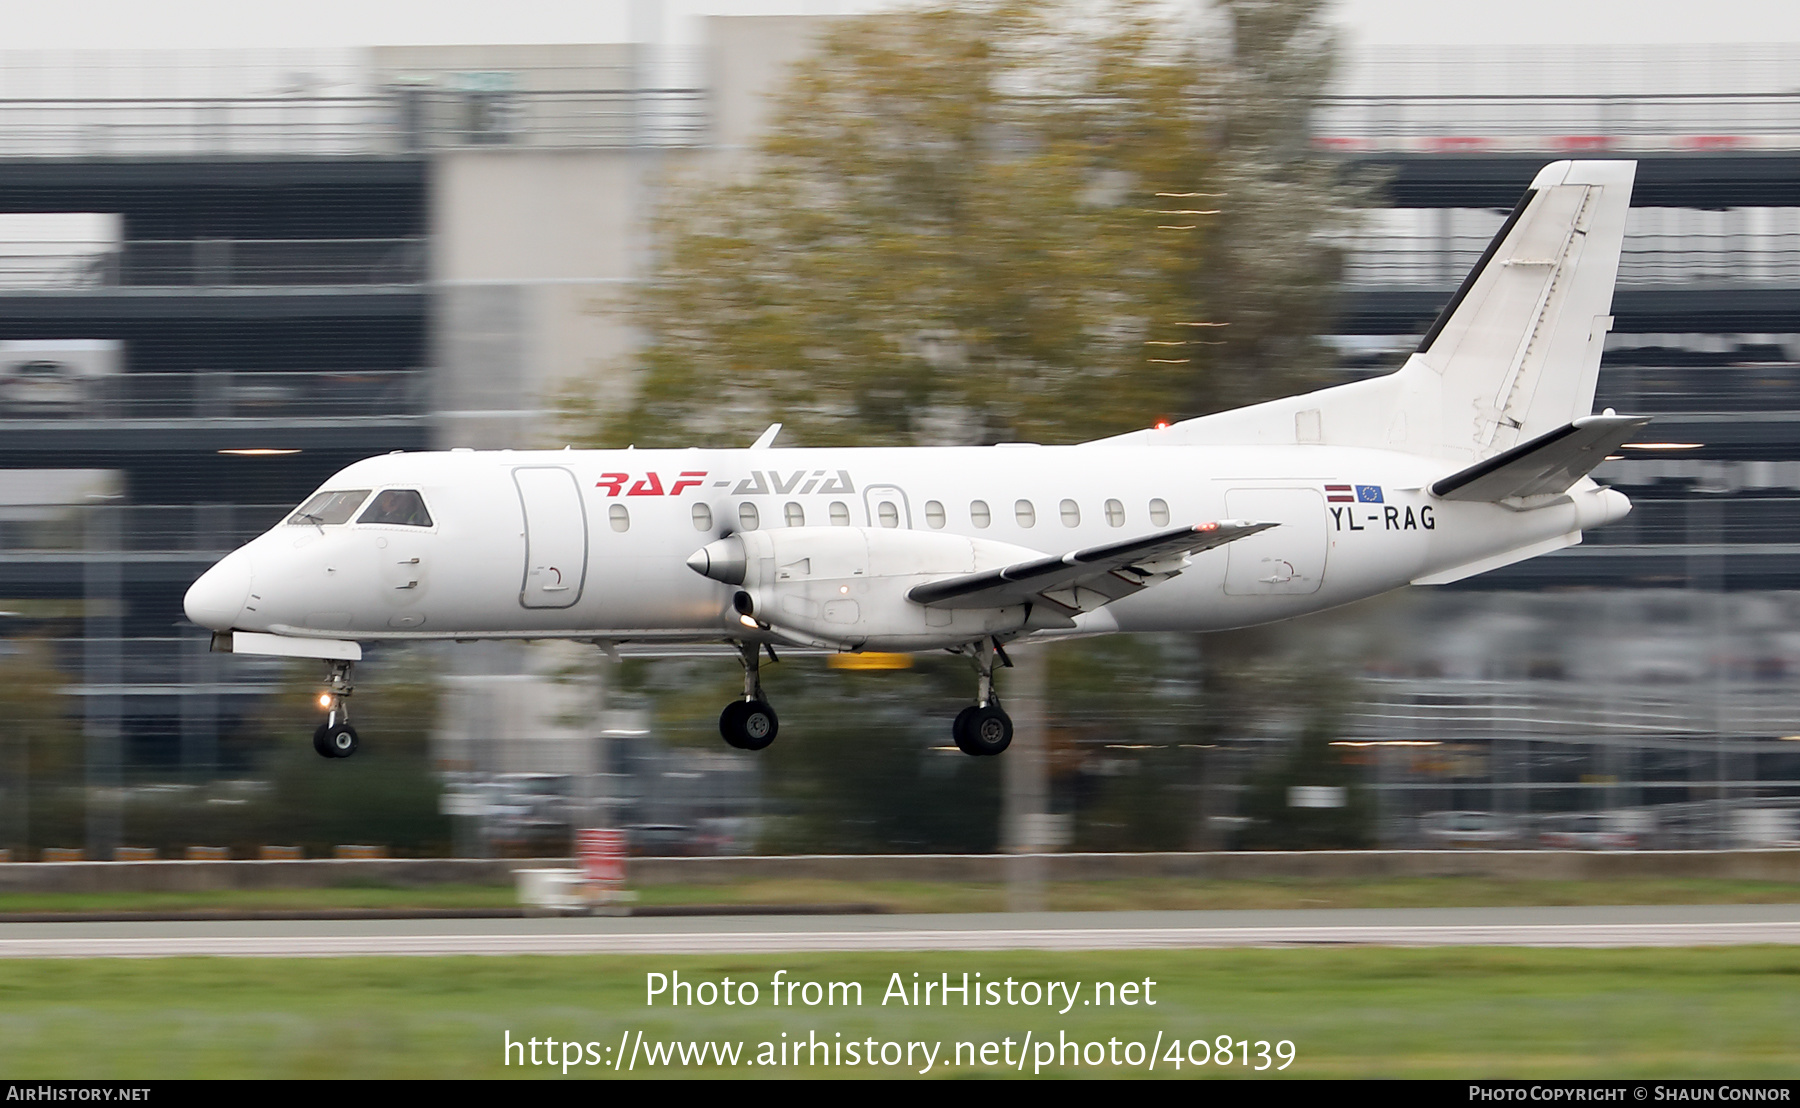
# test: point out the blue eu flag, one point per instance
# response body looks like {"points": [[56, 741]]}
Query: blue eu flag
{"points": [[1368, 494]]}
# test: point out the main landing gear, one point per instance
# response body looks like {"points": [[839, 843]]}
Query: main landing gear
{"points": [[335, 738], [983, 729], [750, 724]]}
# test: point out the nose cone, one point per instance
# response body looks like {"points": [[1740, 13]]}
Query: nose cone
{"points": [[723, 560], [217, 599]]}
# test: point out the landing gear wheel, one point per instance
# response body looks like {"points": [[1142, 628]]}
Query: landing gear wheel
{"points": [[335, 738], [959, 730], [983, 731], [336, 741], [748, 724]]}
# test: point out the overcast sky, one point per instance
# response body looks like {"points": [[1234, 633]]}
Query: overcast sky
{"points": [[131, 24]]}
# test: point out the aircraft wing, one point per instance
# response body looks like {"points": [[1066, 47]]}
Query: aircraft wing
{"points": [[1548, 464], [1085, 579]]}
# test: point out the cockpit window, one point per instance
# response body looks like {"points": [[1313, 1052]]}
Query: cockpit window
{"points": [[329, 507], [397, 507]]}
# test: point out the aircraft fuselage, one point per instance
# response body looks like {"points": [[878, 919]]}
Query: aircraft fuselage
{"points": [[595, 544]]}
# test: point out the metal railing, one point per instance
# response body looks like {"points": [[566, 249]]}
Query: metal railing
{"points": [[141, 528], [1664, 707], [1761, 259], [214, 262], [216, 394], [1558, 123], [407, 120], [1656, 390], [1703, 521], [180, 664]]}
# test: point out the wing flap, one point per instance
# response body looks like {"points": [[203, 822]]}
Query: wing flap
{"points": [[1104, 573], [1546, 465]]}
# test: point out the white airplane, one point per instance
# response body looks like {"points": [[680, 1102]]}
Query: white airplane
{"points": [[1472, 456]]}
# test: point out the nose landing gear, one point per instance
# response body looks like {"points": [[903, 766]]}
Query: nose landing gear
{"points": [[335, 738], [750, 724], [983, 729]]}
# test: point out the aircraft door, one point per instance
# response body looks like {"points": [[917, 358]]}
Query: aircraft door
{"points": [[1288, 560], [556, 537], [887, 506]]}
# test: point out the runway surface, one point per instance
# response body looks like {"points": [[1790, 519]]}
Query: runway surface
{"points": [[1624, 926]]}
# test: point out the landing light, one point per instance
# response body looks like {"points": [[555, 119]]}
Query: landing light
{"points": [[1387, 742], [1662, 445], [261, 451], [324, 700], [746, 621]]}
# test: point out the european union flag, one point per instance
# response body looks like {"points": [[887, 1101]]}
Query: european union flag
{"points": [[1368, 494]]}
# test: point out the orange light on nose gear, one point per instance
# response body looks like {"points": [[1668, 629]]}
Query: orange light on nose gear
{"points": [[324, 700]]}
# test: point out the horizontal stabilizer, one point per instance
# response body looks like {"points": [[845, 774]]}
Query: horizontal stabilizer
{"points": [[1547, 465], [1084, 579]]}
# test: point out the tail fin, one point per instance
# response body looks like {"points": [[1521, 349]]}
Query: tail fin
{"points": [[1513, 356], [1517, 350]]}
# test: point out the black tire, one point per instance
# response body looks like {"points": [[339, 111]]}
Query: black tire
{"points": [[731, 724], [748, 724], [342, 740], [987, 732], [959, 731], [319, 742]]}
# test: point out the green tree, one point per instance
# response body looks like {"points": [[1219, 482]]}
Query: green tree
{"points": [[949, 233], [1273, 264], [1000, 219], [42, 751], [1310, 761], [386, 795]]}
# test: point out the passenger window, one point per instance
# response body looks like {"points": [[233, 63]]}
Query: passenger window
{"points": [[702, 517], [934, 515], [796, 515], [1071, 513], [397, 508], [1159, 512], [748, 519], [1115, 514], [888, 514], [979, 514], [840, 515], [1025, 513], [329, 507], [621, 519]]}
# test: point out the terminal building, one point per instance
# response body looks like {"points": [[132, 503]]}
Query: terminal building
{"points": [[220, 282]]}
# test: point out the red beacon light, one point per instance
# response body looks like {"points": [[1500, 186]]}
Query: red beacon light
{"points": [[1161, 425]]}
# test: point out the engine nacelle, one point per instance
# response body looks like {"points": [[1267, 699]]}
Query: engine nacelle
{"points": [[844, 588]]}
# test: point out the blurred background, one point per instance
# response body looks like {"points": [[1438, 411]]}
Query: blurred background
{"points": [[225, 274]]}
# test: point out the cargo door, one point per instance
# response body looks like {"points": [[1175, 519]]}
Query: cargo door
{"points": [[1282, 561]]}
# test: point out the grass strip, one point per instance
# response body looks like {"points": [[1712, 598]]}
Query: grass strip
{"points": [[1358, 1012], [900, 896]]}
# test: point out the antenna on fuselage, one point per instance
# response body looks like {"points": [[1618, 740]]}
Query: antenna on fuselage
{"points": [[767, 438]]}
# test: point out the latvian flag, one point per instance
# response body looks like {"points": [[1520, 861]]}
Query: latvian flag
{"points": [[1340, 494]]}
